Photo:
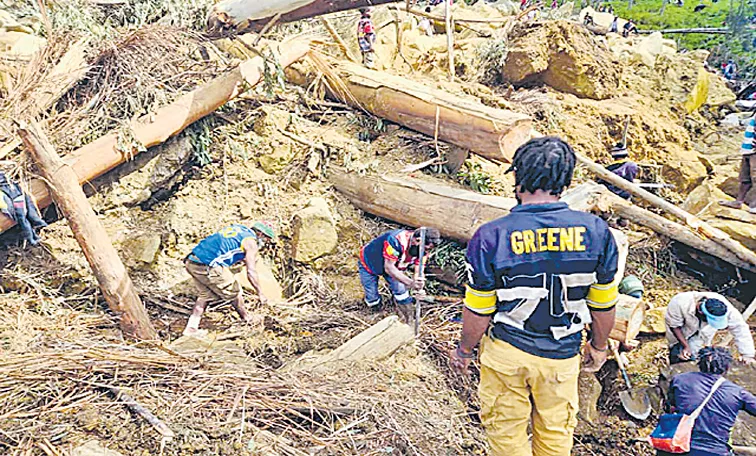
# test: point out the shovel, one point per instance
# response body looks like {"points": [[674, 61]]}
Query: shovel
{"points": [[420, 272], [636, 403]]}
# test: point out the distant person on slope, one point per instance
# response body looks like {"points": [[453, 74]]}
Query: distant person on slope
{"points": [[730, 70], [624, 168], [614, 27], [629, 28], [210, 263], [366, 38], [692, 320], [747, 168], [425, 24], [712, 429]]}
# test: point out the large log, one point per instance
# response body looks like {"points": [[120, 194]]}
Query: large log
{"points": [[490, 132], [242, 16], [699, 226], [103, 154], [107, 267], [609, 202], [416, 202]]}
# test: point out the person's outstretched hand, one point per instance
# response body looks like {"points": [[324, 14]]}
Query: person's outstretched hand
{"points": [[593, 359]]}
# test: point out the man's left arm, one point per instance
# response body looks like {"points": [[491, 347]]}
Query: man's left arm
{"points": [[250, 260], [602, 299], [742, 334], [479, 303]]}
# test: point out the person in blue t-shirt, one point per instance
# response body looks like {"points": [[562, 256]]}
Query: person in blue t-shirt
{"points": [[388, 256], [210, 263], [711, 432], [536, 277]]}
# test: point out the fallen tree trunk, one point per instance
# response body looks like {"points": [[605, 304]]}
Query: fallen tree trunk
{"points": [[609, 202], [243, 16], [697, 225], [107, 267], [416, 202], [490, 132], [104, 154], [629, 319]]}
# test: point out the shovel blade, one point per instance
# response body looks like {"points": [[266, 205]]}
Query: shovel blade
{"points": [[636, 404]]}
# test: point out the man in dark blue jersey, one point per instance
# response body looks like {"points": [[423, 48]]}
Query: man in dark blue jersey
{"points": [[536, 277], [389, 255], [210, 263]]}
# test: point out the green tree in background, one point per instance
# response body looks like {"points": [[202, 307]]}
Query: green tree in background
{"points": [[735, 15]]}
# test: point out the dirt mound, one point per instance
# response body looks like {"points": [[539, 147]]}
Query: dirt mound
{"points": [[563, 55]]}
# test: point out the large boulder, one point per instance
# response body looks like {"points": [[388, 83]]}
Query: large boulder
{"points": [[152, 174], [740, 224], [563, 55], [141, 250], [744, 432], [314, 231]]}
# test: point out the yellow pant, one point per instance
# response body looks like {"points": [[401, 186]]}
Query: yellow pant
{"points": [[514, 386]]}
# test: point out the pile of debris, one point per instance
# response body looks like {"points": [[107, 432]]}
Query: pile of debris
{"points": [[310, 143]]}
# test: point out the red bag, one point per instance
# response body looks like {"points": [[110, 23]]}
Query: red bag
{"points": [[674, 430]]}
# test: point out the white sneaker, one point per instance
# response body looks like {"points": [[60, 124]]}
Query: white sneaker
{"points": [[752, 210]]}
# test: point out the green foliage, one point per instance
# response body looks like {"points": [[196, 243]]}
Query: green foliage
{"points": [[202, 139], [722, 13], [472, 175], [450, 255], [101, 21]]}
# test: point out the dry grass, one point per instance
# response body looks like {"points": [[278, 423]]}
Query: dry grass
{"points": [[59, 362]]}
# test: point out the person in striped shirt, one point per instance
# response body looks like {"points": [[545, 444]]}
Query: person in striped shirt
{"points": [[747, 169], [536, 277]]}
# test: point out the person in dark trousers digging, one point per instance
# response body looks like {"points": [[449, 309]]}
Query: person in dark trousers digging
{"points": [[388, 256], [624, 168], [210, 263], [711, 432], [536, 277], [19, 207]]}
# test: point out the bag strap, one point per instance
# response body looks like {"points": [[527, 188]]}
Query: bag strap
{"points": [[714, 389]]}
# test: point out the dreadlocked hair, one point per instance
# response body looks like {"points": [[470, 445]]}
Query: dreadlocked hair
{"points": [[543, 164], [714, 360]]}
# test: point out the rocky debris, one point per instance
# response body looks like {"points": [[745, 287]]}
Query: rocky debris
{"points": [[744, 432], [654, 321], [271, 120], [314, 231], [563, 55], [140, 251], [738, 223], [94, 448], [152, 174], [589, 391]]}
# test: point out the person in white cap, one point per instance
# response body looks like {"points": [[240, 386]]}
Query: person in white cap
{"points": [[692, 320]]}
